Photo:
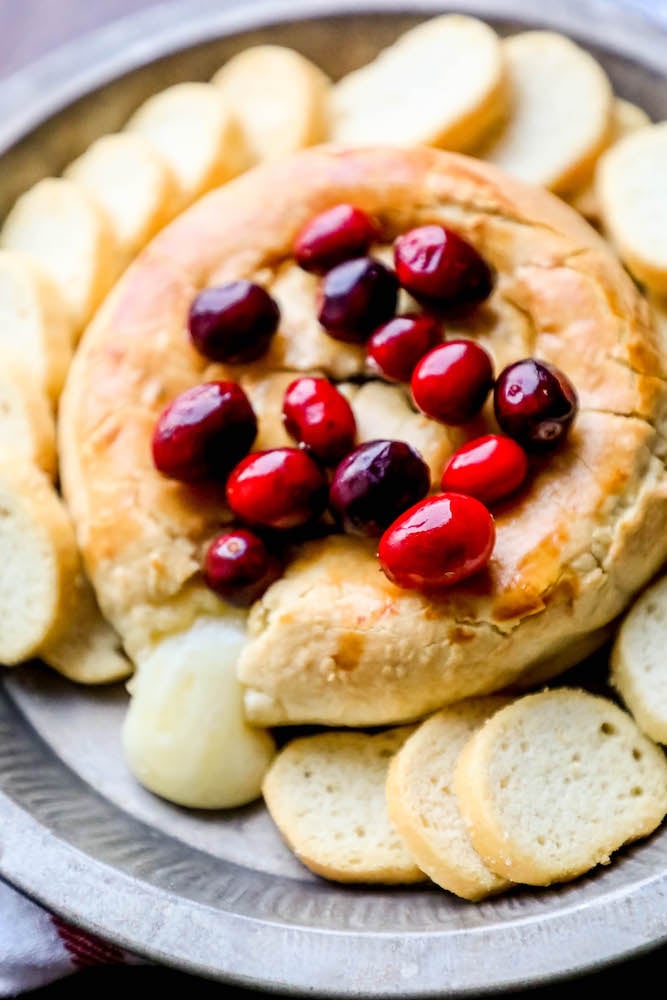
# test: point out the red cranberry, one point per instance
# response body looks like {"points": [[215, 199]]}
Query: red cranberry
{"points": [[204, 432], [436, 264], [356, 297], [488, 468], [535, 403], [317, 415], [395, 347], [451, 382], [279, 488], [335, 235], [239, 567], [375, 483], [438, 542], [234, 322]]}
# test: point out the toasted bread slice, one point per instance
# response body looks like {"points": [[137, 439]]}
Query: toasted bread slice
{"points": [[638, 665], [192, 127], [561, 115], [134, 185], [27, 421], [555, 782], [35, 330], [629, 183], [326, 795], [60, 226], [279, 97], [423, 807], [185, 737], [443, 83]]}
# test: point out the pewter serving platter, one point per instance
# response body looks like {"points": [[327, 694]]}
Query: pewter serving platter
{"points": [[218, 894]]}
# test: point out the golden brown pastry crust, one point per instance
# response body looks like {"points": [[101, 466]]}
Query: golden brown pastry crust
{"points": [[334, 641]]}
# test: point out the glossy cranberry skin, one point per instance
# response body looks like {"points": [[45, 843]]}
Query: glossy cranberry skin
{"points": [[317, 415], [204, 432], [395, 347], [239, 567], [535, 403], [234, 322], [375, 483], [332, 236], [279, 488], [488, 468], [451, 382], [438, 542], [436, 264], [356, 297]]}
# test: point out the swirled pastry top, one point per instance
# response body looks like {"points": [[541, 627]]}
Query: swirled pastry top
{"points": [[334, 641]]}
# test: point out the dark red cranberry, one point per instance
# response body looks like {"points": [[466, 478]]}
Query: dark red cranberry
{"points": [[395, 347], [239, 567], [335, 235], [436, 264], [204, 432], [279, 488], [317, 415], [438, 542], [488, 468], [535, 403], [451, 382], [356, 297], [234, 322], [375, 483]]}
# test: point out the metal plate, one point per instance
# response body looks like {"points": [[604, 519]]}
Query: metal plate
{"points": [[219, 894]]}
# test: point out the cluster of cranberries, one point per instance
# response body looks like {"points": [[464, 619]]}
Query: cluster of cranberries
{"points": [[381, 488]]}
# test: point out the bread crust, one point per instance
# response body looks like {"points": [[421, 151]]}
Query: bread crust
{"points": [[334, 641]]}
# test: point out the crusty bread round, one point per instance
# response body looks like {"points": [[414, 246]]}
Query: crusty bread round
{"points": [[556, 782], [27, 423], [561, 114], [629, 182], [279, 97], [334, 641], [326, 795], [442, 83], [638, 671], [422, 804]]}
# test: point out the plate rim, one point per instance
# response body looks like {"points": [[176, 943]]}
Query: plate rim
{"points": [[58, 875]]}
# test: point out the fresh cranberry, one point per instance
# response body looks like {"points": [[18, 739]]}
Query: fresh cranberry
{"points": [[239, 567], [488, 468], [438, 542], [436, 264], [395, 347], [204, 432], [451, 382], [335, 235], [317, 415], [356, 297], [375, 483], [279, 488], [535, 403], [234, 322]]}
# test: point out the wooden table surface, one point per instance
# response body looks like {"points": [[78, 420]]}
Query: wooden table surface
{"points": [[29, 29]]}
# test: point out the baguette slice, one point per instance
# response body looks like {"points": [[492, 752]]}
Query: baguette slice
{"points": [[193, 129], [279, 97], [638, 664], [60, 226], [27, 422], [424, 809], [35, 329], [326, 795], [630, 183], [555, 782], [443, 83], [133, 184], [562, 112]]}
